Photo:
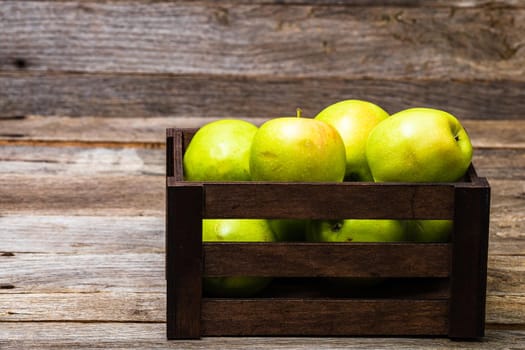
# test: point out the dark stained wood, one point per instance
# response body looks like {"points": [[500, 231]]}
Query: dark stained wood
{"points": [[469, 261], [170, 169], [327, 259], [183, 262], [188, 135], [328, 200], [175, 155], [127, 95], [505, 281], [323, 317], [170, 152]]}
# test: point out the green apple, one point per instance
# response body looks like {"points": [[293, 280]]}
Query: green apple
{"points": [[235, 230], [354, 119], [297, 150], [419, 145], [356, 230], [430, 230], [220, 151], [289, 230]]}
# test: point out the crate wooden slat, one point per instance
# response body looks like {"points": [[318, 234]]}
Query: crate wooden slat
{"points": [[309, 200], [455, 309], [327, 259], [322, 317]]}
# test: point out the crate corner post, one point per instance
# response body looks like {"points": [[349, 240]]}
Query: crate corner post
{"points": [[469, 261], [183, 261]]}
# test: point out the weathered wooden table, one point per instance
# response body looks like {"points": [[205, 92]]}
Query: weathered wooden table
{"points": [[88, 87], [82, 238]]}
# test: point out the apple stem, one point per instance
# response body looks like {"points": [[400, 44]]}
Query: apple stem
{"points": [[298, 112]]}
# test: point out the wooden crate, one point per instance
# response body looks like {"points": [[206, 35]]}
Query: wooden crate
{"points": [[439, 288]]}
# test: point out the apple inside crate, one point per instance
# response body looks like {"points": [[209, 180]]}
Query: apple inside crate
{"points": [[439, 289]]}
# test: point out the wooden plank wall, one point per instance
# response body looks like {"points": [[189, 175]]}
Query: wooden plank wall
{"points": [[263, 58], [88, 87]]}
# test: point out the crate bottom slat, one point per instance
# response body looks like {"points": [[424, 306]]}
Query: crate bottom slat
{"points": [[323, 317]]}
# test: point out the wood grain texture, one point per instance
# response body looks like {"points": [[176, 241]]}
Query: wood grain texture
{"points": [[81, 161], [509, 279], [143, 195], [309, 40], [131, 68], [61, 335], [326, 201], [131, 306], [323, 317], [505, 309], [107, 234], [184, 261], [125, 95], [32, 233], [468, 281], [88, 159], [106, 273], [502, 309], [82, 195], [484, 134], [500, 163], [327, 260], [140, 194], [84, 273], [96, 272], [506, 134], [81, 234]]}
